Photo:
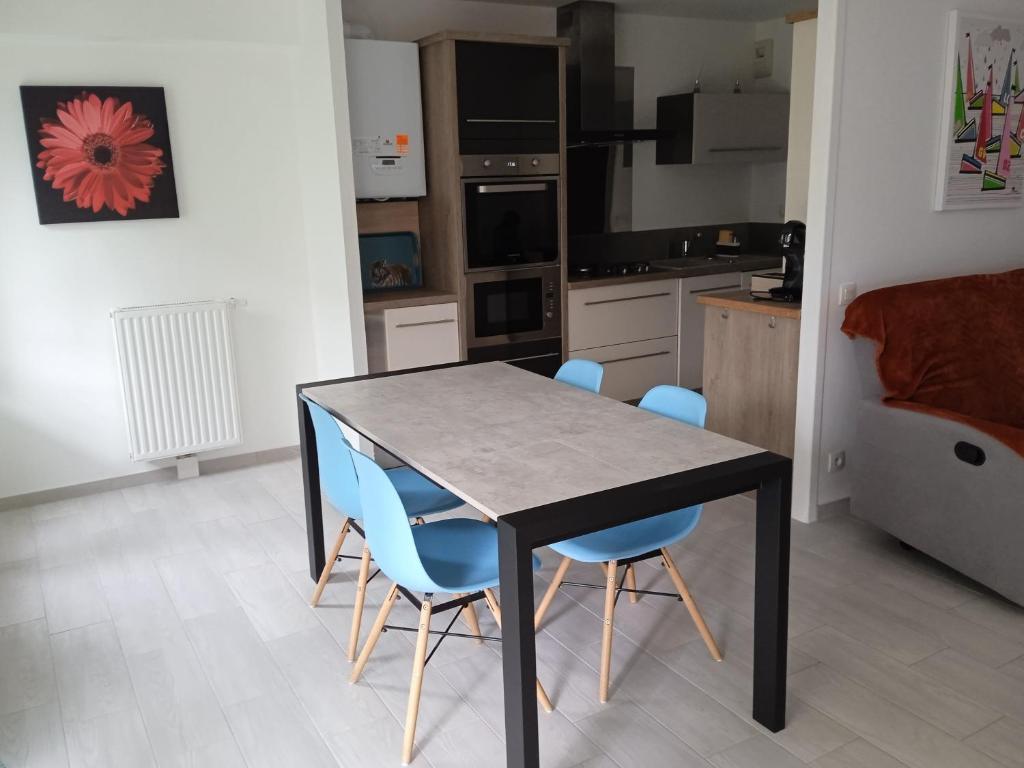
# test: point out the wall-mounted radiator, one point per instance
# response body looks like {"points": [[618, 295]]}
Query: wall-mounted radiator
{"points": [[178, 374]]}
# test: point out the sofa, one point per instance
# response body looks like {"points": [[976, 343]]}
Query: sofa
{"points": [[939, 456]]}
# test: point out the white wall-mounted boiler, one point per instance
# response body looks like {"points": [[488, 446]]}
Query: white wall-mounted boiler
{"points": [[386, 117]]}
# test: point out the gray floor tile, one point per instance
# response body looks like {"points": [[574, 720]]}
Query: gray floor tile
{"points": [[115, 740], [272, 731], [91, 672], [17, 536], [73, 596], [33, 738], [21, 593], [272, 604], [26, 667]]}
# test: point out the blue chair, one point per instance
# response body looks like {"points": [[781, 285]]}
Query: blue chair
{"points": [[341, 486], [641, 540], [585, 374], [457, 556]]}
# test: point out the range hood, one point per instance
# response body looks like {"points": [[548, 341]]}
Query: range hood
{"points": [[590, 102]]}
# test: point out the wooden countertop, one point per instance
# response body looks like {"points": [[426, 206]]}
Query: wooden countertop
{"points": [[414, 297], [742, 301]]}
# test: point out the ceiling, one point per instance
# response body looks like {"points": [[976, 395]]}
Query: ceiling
{"points": [[741, 10]]}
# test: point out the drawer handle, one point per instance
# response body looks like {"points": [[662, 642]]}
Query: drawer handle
{"points": [[509, 120], [499, 189], [626, 298], [635, 357], [424, 322], [716, 288], [745, 149]]}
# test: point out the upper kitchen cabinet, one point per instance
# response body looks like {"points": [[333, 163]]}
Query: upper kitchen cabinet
{"points": [[507, 97], [703, 128]]}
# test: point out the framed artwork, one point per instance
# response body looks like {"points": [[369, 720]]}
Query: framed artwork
{"points": [[980, 163], [99, 153]]}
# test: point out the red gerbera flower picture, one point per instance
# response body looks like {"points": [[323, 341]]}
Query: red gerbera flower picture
{"points": [[100, 153]]}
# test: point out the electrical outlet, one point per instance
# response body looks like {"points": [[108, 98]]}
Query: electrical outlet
{"points": [[837, 461], [847, 293]]}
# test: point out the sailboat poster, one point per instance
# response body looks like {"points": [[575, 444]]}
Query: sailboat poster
{"points": [[980, 152]]}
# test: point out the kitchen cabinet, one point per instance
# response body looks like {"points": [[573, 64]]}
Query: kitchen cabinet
{"points": [[707, 128], [750, 367], [507, 93], [632, 329], [691, 323], [412, 337], [632, 368]]}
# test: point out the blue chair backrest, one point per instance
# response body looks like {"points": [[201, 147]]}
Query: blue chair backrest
{"points": [[585, 374], [388, 532], [676, 403], [337, 475]]}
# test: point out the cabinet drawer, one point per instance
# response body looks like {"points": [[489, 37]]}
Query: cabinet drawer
{"points": [[617, 314], [413, 337], [632, 369]]}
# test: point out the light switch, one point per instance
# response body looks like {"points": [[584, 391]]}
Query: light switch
{"points": [[847, 293]]}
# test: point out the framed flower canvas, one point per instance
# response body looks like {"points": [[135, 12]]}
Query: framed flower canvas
{"points": [[980, 157], [99, 153]]}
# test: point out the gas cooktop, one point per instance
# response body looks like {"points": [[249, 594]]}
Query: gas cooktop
{"points": [[610, 269]]}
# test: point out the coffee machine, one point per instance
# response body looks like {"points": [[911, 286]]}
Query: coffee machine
{"points": [[794, 234]]}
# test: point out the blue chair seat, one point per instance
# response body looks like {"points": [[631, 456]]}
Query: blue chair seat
{"points": [[459, 555], [419, 495], [630, 539]]}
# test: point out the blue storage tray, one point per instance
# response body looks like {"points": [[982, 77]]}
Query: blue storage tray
{"points": [[390, 262]]}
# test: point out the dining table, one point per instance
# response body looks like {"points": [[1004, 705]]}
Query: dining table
{"points": [[546, 462]]}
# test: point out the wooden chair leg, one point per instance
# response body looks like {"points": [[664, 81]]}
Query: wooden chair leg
{"points": [[332, 556], [606, 636], [416, 685], [631, 583], [556, 582], [378, 627], [492, 603], [469, 615], [357, 608], [691, 605]]}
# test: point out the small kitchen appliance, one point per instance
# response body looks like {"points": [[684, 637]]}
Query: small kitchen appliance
{"points": [[794, 234]]}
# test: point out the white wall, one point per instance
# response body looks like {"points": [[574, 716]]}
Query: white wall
{"points": [[798, 166], [668, 54], [413, 19], [879, 227], [239, 78]]}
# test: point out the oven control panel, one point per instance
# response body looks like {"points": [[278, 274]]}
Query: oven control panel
{"points": [[509, 165]]}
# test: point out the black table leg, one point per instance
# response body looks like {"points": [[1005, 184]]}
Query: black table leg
{"points": [[519, 651], [311, 489], [771, 602]]}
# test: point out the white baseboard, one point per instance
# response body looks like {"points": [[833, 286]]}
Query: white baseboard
{"points": [[207, 467]]}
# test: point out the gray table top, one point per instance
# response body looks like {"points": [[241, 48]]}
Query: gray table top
{"points": [[504, 439]]}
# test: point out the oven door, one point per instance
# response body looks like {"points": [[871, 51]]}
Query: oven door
{"points": [[510, 307], [511, 222]]}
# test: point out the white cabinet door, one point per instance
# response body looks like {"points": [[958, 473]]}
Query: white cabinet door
{"points": [[632, 369], [412, 337], [616, 314], [691, 323], [740, 128]]}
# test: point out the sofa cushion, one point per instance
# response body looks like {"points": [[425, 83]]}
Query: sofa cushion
{"points": [[953, 345]]}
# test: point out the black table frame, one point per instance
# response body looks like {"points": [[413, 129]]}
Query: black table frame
{"points": [[519, 533]]}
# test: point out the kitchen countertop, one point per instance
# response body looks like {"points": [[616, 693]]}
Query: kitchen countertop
{"points": [[413, 297], [690, 267], [742, 301]]}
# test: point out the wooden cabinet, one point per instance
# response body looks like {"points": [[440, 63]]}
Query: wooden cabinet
{"points": [[750, 370], [703, 128], [632, 329], [412, 337]]}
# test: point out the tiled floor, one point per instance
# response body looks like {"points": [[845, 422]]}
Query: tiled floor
{"points": [[167, 625]]}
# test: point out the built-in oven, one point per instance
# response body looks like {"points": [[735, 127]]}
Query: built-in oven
{"points": [[515, 316], [510, 209]]}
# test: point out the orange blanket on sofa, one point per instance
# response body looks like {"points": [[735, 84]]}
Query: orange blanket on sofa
{"points": [[952, 348]]}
